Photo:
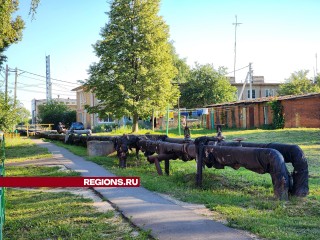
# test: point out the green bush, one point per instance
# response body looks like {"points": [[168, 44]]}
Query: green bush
{"points": [[99, 128], [278, 116]]}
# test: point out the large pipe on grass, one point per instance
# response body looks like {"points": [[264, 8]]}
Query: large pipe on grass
{"points": [[291, 154], [259, 160]]}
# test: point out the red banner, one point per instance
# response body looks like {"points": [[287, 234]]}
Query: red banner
{"points": [[69, 181]]}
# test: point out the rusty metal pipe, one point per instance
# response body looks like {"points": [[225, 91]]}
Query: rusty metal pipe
{"points": [[291, 154], [156, 159], [176, 140], [158, 167], [161, 157], [259, 160]]}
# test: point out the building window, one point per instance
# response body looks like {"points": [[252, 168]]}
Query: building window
{"points": [[82, 98], [253, 93], [269, 92], [107, 119]]}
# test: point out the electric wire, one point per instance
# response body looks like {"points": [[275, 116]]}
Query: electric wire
{"points": [[35, 91], [37, 86], [237, 70], [73, 85], [44, 76]]}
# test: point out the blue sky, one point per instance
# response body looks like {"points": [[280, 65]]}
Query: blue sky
{"points": [[278, 37]]}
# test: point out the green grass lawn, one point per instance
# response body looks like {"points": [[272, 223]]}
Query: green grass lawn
{"points": [[244, 198], [21, 149], [39, 214], [47, 215]]}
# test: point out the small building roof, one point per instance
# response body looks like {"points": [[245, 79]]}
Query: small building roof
{"points": [[262, 84], [77, 88], [264, 99]]}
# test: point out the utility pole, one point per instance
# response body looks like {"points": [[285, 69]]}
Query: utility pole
{"points": [[250, 80], [316, 64], [235, 47], [15, 86], [6, 84]]}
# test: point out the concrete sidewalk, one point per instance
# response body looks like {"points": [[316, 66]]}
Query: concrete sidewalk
{"points": [[146, 209]]}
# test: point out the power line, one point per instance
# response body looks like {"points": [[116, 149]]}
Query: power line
{"points": [[30, 85], [32, 78], [26, 90], [68, 95], [39, 86], [43, 81], [38, 75], [70, 84], [238, 69]]}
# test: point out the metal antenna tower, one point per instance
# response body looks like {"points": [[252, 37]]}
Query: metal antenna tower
{"points": [[235, 46], [48, 80]]}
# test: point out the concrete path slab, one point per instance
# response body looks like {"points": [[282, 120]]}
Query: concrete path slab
{"points": [[146, 209]]}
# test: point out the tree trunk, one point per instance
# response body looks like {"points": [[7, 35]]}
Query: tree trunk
{"points": [[135, 126], [152, 121]]}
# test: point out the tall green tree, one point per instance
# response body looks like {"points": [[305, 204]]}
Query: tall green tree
{"points": [[182, 67], [297, 84], [10, 113], [317, 80], [10, 28], [55, 112], [206, 86], [135, 70], [23, 114], [183, 71], [33, 7]]}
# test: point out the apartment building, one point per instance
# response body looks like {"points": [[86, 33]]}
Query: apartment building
{"points": [[260, 88], [88, 98]]}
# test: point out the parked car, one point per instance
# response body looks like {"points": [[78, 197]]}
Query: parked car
{"points": [[76, 126]]}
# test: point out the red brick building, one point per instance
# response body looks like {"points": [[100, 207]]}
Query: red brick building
{"points": [[299, 111]]}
